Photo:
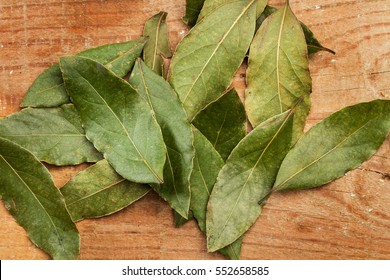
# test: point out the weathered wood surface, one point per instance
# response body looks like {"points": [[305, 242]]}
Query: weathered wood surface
{"points": [[347, 219]]}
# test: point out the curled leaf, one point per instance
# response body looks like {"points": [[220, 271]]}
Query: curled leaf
{"points": [[158, 45], [193, 8]]}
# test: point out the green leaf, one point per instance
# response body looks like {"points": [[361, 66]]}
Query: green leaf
{"points": [[158, 45], [29, 194], [336, 145], [223, 123], [210, 6], [313, 45], [53, 135], [48, 89], [176, 132], [116, 120], [193, 8], [180, 220], [206, 59], [233, 251], [278, 71], [99, 191], [246, 178], [207, 164]]}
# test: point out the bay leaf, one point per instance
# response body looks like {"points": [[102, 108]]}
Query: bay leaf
{"points": [[48, 89], [223, 122], [246, 178], [193, 8], [278, 71], [176, 132], [116, 119], [158, 45], [30, 195], [210, 6], [206, 59], [180, 220], [233, 251], [207, 164], [313, 45], [99, 191], [53, 135], [336, 145]]}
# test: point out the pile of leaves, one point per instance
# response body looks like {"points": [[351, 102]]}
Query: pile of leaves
{"points": [[180, 130]]}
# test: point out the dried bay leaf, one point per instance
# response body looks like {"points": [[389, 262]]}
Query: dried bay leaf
{"points": [[176, 132], [53, 135], [336, 145], [158, 45], [193, 8], [206, 59], [210, 5], [278, 71], [207, 164], [48, 89], [223, 122], [30, 195], [116, 120], [99, 191], [246, 178], [233, 251], [313, 45]]}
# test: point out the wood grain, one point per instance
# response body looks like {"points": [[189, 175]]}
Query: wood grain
{"points": [[347, 219]]}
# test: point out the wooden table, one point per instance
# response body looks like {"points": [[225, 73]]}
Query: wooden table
{"points": [[347, 219]]}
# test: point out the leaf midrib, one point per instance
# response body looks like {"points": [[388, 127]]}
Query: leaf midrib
{"points": [[96, 192], [156, 40], [278, 56]]}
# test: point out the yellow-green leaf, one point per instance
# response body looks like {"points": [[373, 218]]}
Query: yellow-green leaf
{"points": [[206, 59], [336, 145], [278, 71], [158, 45], [99, 191], [246, 178]]}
